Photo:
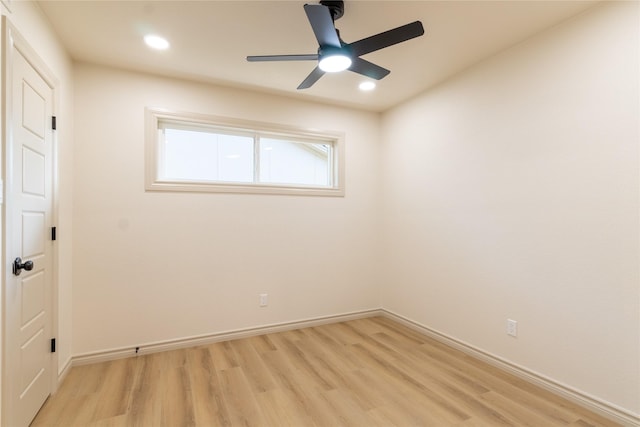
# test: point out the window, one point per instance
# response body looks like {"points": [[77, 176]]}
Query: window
{"points": [[189, 152]]}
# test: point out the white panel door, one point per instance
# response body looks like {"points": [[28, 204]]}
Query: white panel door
{"points": [[28, 209]]}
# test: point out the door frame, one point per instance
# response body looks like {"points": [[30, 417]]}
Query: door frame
{"points": [[13, 41]]}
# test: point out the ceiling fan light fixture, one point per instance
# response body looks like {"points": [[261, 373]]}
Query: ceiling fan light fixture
{"points": [[334, 63]]}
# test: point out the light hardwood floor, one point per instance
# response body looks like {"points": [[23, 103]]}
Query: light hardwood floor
{"points": [[367, 372]]}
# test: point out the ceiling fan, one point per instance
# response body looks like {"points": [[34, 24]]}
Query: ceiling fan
{"points": [[336, 55]]}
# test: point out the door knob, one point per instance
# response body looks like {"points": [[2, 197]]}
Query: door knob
{"points": [[18, 266]]}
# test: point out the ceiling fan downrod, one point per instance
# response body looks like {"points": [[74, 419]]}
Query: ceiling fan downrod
{"points": [[336, 8]]}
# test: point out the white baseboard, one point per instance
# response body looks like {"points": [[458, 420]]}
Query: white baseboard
{"points": [[62, 372], [155, 347], [591, 403]]}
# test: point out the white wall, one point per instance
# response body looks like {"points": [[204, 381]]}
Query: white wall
{"points": [[27, 18], [511, 191], [151, 266]]}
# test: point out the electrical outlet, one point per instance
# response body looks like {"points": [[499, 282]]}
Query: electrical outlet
{"points": [[512, 328], [264, 300]]}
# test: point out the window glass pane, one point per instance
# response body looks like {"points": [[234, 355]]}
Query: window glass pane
{"points": [[205, 156], [287, 162]]}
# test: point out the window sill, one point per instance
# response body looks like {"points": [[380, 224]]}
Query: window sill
{"points": [[170, 186]]}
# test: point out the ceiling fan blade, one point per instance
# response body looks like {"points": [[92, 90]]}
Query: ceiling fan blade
{"points": [[262, 58], [369, 69], [311, 78], [322, 25], [387, 38]]}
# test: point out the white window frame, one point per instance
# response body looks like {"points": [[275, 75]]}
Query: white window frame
{"points": [[155, 117]]}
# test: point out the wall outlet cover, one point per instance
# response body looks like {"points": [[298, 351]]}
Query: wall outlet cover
{"points": [[512, 327]]}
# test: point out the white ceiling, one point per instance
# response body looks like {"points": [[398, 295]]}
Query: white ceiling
{"points": [[210, 40]]}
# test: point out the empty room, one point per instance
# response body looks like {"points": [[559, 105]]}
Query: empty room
{"points": [[358, 213]]}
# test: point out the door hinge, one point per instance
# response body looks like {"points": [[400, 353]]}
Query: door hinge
{"points": [[53, 122], [53, 233], [53, 345]]}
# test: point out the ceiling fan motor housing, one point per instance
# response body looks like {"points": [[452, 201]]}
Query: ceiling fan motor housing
{"points": [[336, 8]]}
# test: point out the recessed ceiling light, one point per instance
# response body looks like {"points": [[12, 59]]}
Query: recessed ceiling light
{"points": [[156, 42], [366, 86]]}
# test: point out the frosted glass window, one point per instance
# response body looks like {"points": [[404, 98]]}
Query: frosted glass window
{"points": [[291, 162], [206, 156]]}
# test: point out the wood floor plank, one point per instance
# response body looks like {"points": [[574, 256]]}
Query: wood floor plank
{"points": [[407, 385], [299, 387], [494, 379], [118, 421], [114, 392], [336, 371], [239, 399], [176, 404], [411, 356], [297, 358], [209, 408], [262, 343], [89, 379], [78, 411], [323, 337], [344, 410], [248, 359], [223, 355], [464, 393], [524, 416], [145, 404], [280, 409], [365, 372]]}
